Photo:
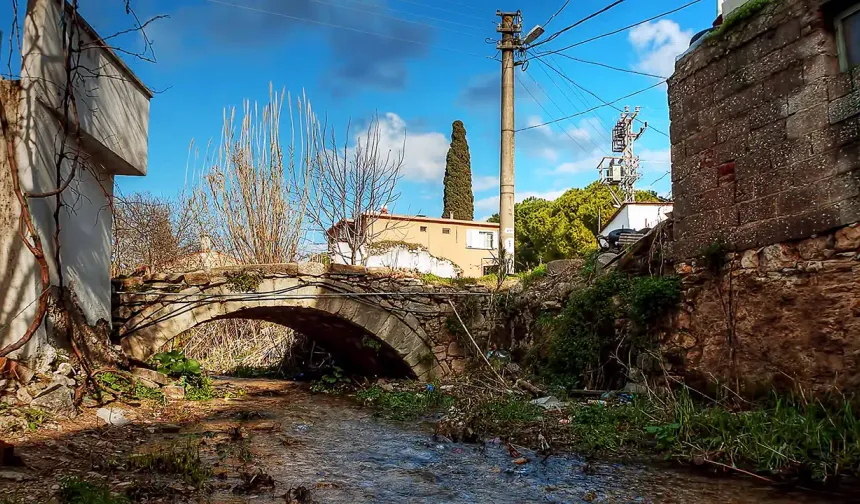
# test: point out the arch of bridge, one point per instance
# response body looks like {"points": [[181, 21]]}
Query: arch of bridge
{"points": [[340, 306]]}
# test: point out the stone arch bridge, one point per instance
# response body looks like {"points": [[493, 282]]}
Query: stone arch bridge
{"points": [[380, 321]]}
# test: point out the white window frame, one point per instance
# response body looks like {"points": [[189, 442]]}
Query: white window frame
{"points": [[841, 49]]}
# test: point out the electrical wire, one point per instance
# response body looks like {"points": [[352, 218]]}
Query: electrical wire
{"points": [[604, 65], [592, 39], [440, 9], [592, 109], [611, 104], [574, 25], [556, 14], [381, 7], [331, 25], [579, 95], [574, 140], [560, 109]]}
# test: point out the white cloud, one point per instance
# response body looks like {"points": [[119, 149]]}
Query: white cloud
{"points": [[485, 182], [424, 154], [551, 143], [491, 204], [658, 43]]}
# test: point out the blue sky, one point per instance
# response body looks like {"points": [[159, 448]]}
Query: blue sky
{"points": [[431, 66]]}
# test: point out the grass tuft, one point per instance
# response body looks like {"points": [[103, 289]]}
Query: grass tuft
{"points": [[74, 490]]}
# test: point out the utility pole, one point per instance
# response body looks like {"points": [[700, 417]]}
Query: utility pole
{"points": [[510, 28], [622, 171]]}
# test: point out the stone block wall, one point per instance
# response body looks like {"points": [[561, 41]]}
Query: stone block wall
{"points": [[764, 129], [785, 316]]}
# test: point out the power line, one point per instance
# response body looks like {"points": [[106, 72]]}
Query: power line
{"points": [[609, 104], [574, 25], [556, 14], [331, 25], [592, 39], [380, 7], [581, 97], [558, 107], [598, 97], [449, 11], [547, 111], [604, 65]]}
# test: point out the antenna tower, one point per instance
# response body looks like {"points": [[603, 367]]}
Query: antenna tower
{"points": [[622, 171]]}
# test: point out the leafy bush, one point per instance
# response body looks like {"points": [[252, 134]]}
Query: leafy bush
{"points": [[174, 363], [123, 385], [529, 277], [585, 335]]}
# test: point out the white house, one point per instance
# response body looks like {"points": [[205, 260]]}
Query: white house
{"points": [[637, 216]]}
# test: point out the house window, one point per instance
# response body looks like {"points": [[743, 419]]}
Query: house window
{"points": [[478, 239], [486, 240], [446, 230], [848, 38], [423, 229]]}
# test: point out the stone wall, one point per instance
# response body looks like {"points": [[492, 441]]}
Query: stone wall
{"points": [[783, 315], [764, 131], [337, 305]]}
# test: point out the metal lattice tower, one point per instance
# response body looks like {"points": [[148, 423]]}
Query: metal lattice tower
{"points": [[622, 171]]}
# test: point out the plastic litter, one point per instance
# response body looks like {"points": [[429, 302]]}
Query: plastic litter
{"points": [[548, 403]]}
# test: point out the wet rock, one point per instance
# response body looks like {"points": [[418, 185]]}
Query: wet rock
{"points": [[57, 400], [173, 392], [112, 416], [151, 375]]}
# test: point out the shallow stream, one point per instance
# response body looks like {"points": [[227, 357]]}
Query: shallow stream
{"points": [[346, 454]]}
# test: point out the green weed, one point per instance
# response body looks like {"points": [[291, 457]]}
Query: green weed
{"points": [[243, 281], [34, 417], [181, 459], [74, 490], [529, 277], [405, 405], [199, 388], [122, 385], [176, 364]]}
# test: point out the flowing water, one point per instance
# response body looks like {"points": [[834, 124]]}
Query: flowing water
{"points": [[345, 454]]}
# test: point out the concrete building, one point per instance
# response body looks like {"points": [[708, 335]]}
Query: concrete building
{"points": [[445, 247], [765, 127], [113, 117], [637, 216]]}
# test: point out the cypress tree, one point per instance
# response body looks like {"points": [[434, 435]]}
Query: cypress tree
{"points": [[458, 197]]}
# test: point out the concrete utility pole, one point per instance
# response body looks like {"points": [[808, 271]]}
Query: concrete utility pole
{"points": [[510, 28]]}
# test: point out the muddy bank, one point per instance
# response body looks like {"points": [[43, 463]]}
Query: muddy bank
{"points": [[278, 436]]}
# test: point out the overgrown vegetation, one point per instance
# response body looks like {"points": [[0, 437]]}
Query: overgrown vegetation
{"points": [[176, 364], [74, 490], [243, 281], [406, 405], [531, 276], [123, 385], [182, 459], [738, 16], [587, 346]]}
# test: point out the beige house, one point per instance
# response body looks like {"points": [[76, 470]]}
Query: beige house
{"points": [[444, 247]]}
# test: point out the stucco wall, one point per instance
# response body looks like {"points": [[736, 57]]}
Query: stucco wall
{"points": [[764, 129], [19, 276], [113, 110]]}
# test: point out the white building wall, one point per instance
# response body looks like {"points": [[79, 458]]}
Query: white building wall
{"points": [[413, 259], [113, 110], [638, 216]]}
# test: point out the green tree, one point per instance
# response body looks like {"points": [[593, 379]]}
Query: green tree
{"points": [[566, 227], [458, 198]]}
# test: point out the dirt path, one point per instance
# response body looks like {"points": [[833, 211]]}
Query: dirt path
{"points": [[279, 440]]}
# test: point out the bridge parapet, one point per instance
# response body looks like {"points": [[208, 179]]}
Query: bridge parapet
{"points": [[412, 317]]}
